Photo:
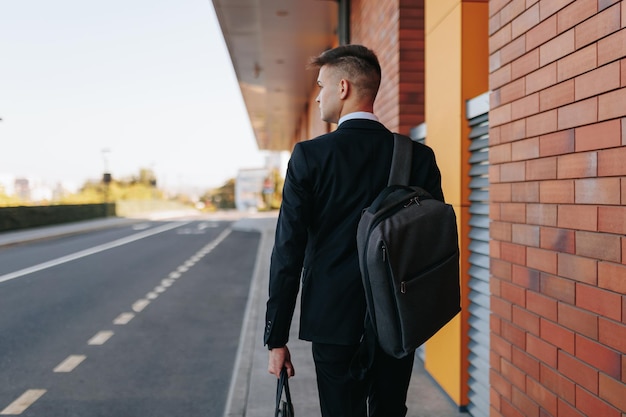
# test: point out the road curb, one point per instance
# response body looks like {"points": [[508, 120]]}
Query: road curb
{"points": [[249, 340]]}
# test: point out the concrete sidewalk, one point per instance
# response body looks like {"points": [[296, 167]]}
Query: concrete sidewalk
{"points": [[253, 389]]}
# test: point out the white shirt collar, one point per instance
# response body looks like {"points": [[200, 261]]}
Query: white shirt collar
{"points": [[358, 115]]}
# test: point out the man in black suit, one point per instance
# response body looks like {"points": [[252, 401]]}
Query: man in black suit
{"points": [[329, 181]]}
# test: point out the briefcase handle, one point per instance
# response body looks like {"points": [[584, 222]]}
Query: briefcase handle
{"points": [[283, 408]]}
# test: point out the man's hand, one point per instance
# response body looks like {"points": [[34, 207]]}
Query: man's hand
{"points": [[279, 358]]}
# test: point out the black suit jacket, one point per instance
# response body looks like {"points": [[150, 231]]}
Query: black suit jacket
{"points": [[329, 181]]}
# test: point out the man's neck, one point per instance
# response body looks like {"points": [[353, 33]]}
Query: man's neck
{"points": [[358, 115]]}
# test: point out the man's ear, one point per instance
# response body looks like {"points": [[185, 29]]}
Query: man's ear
{"points": [[344, 88]]}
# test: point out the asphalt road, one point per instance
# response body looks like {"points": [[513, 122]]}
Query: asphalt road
{"points": [[136, 321]]}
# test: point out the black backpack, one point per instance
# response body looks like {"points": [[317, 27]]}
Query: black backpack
{"points": [[409, 259]]}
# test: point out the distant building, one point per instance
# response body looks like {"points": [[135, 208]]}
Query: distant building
{"points": [[34, 190], [22, 188], [249, 189]]}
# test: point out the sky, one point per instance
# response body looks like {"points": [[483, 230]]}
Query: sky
{"points": [[119, 85]]}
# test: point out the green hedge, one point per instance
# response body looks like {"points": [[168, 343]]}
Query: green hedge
{"points": [[23, 217]]}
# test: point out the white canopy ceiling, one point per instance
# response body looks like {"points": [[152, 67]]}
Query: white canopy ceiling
{"points": [[270, 43]]}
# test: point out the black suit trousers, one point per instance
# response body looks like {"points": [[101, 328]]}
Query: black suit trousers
{"points": [[384, 388]]}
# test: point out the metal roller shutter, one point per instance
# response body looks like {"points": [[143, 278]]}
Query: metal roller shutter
{"points": [[479, 310]]}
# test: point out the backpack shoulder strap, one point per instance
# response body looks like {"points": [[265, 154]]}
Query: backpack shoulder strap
{"points": [[401, 160]]}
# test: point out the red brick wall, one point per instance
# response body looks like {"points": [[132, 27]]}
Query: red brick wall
{"points": [[394, 29], [411, 82], [558, 207]]}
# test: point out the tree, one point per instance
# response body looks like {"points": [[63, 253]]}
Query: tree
{"points": [[221, 198]]}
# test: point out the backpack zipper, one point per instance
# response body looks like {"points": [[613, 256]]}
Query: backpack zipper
{"points": [[413, 200], [384, 256]]}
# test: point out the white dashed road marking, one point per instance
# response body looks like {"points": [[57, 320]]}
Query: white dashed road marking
{"points": [[69, 364], [139, 305], [24, 401], [124, 318], [18, 406], [100, 338]]}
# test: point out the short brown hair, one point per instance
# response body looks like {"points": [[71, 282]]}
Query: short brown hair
{"points": [[359, 63]]}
